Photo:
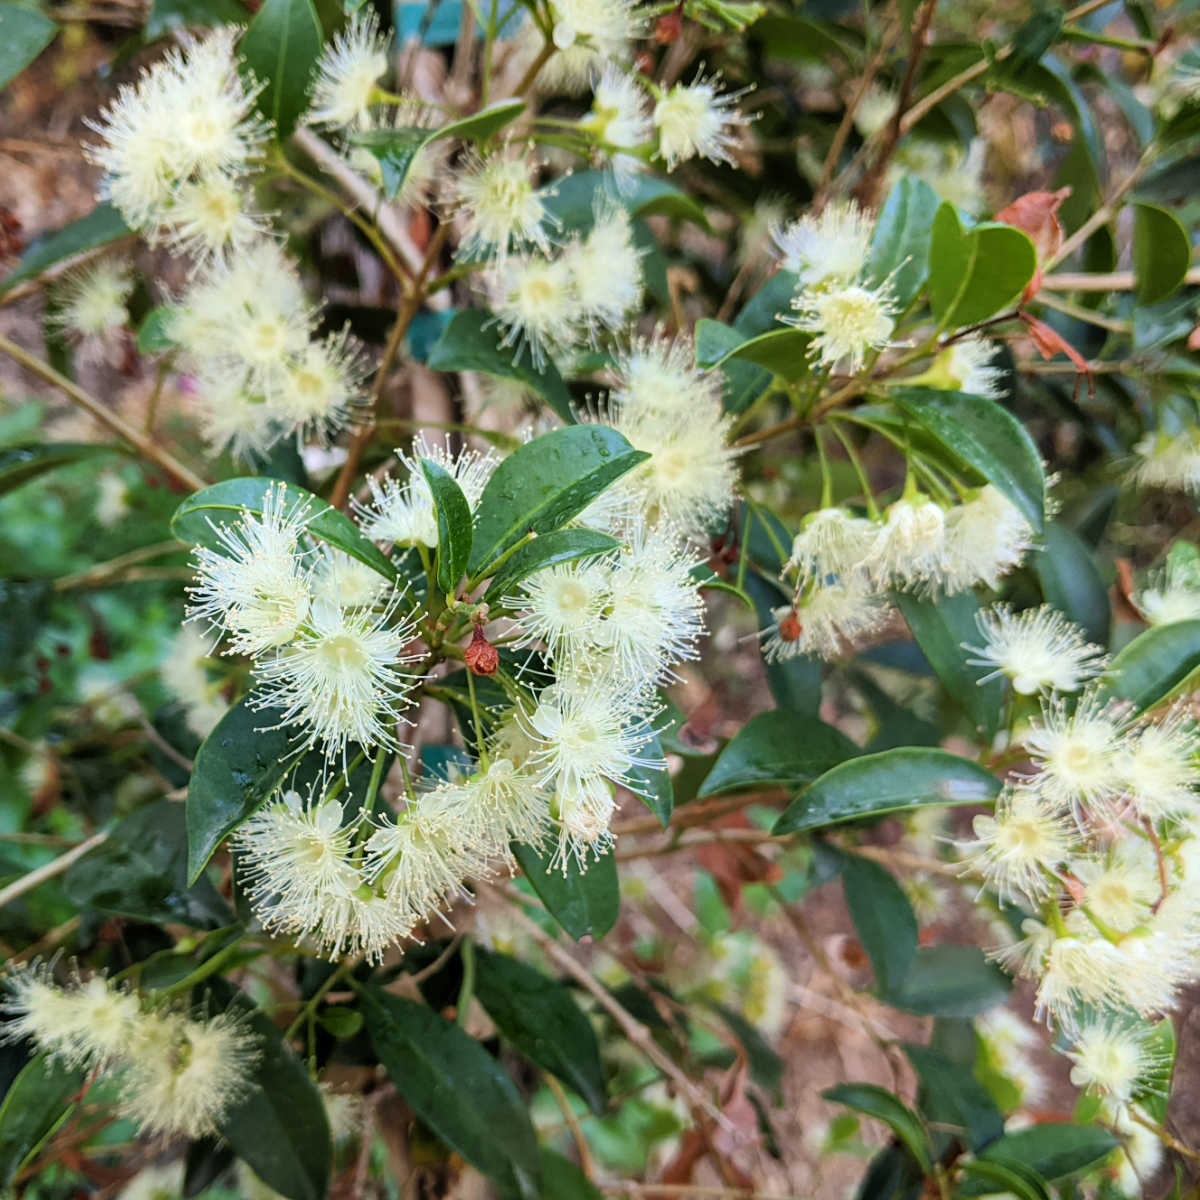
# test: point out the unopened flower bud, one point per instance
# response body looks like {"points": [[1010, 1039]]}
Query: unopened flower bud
{"points": [[482, 657]]}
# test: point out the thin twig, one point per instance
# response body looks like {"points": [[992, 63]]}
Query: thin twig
{"points": [[585, 1153], [1112, 281], [108, 419], [100, 571], [51, 869]]}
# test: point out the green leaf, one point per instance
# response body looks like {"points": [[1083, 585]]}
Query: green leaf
{"points": [[453, 524], [24, 34], [396, 149], [654, 787], [584, 903], [1153, 1089], [241, 762], [1071, 582], [342, 1022], [950, 981], [763, 309], [20, 464], [563, 1180], [1011, 1179], [883, 1106], [1029, 43], [543, 484], [981, 433], [900, 242], [571, 200], [279, 1128], [872, 784], [152, 335], [549, 550], [1054, 1150], [744, 381], [472, 342], [942, 628], [1162, 252], [101, 226], [455, 1087], [541, 1018], [167, 16], [36, 1106], [141, 871], [973, 275], [281, 46], [883, 918], [194, 518], [953, 1097], [1154, 664], [780, 748]]}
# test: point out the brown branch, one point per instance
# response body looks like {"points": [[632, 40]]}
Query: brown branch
{"points": [[50, 870]]}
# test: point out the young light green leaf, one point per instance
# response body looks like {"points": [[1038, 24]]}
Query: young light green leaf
{"points": [[281, 46], [101, 226], [585, 903], [873, 784], [883, 918], [1154, 664], [975, 274], [780, 748], [1162, 252], [453, 523], [550, 550], [37, 1104], [541, 1018], [456, 1088], [543, 484], [982, 434], [24, 34], [883, 1106], [223, 502], [152, 335], [473, 342]]}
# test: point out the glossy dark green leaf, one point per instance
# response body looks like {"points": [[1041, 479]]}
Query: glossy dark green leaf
{"points": [[900, 242], [24, 34], [168, 16], [782, 352], [453, 515], [744, 381], [205, 1162], [1071, 582], [550, 550], [19, 464], [1054, 1150], [883, 918], [101, 226], [882, 1105], [763, 310], [1030, 42], [873, 784], [473, 342], [1154, 664], [653, 786], [542, 1019], [543, 484], [942, 628], [975, 274], [987, 437], [950, 981], [279, 1127], [481, 125], [281, 46], [563, 1180], [141, 871], [780, 748], [40, 1100], [795, 683], [1013, 1179], [1162, 252], [571, 199], [241, 762], [223, 502], [585, 903], [455, 1087], [952, 1098]]}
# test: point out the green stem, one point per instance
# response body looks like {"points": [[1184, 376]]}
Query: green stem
{"points": [[306, 1013], [466, 991], [210, 966], [480, 745], [376, 779]]}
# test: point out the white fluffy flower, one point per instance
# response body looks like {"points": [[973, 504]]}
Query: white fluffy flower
{"points": [[1159, 767], [588, 35], [91, 306], [563, 607], [1170, 593], [256, 585], [829, 619], [831, 541], [827, 249], [537, 302], [620, 120], [909, 548], [499, 205], [345, 581], [606, 270], [185, 677], [1038, 650], [848, 322], [209, 215], [657, 377], [986, 538], [403, 512], [347, 72], [322, 387], [1017, 850], [1114, 1058], [696, 120], [1169, 461], [342, 678], [970, 365]]}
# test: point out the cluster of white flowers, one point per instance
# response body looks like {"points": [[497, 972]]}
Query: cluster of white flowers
{"points": [[1171, 592], [177, 1074], [185, 676], [842, 565], [1168, 460]]}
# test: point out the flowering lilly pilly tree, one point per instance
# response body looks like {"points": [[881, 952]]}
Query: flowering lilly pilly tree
{"points": [[510, 501]]}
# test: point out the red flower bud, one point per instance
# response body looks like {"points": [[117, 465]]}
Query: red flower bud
{"points": [[790, 628], [482, 657]]}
